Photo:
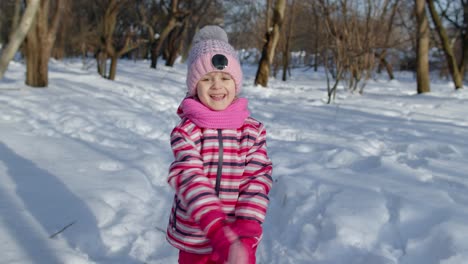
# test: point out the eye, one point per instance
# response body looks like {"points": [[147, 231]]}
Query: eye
{"points": [[205, 79], [226, 77]]}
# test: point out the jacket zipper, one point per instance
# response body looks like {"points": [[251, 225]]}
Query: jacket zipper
{"points": [[220, 162]]}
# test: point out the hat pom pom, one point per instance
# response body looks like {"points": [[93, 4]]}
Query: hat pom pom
{"points": [[210, 32]]}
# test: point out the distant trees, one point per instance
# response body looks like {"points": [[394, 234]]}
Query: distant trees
{"points": [[357, 40], [352, 40]]}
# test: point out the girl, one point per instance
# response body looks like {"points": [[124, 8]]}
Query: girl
{"points": [[221, 173]]}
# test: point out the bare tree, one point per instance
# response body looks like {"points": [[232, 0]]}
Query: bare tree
{"points": [[16, 14], [454, 69], [464, 37], [195, 13], [18, 35], [174, 20], [287, 39], [245, 18], [456, 14], [422, 71], [309, 33], [382, 54], [334, 55], [149, 16], [360, 32], [40, 40], [271, 40], [349, 45], [316, 29], [66, 33], [10, 14], [174, 43], [113, 48]]}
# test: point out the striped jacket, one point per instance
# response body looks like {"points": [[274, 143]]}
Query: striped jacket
{"points": [[216, 169]]}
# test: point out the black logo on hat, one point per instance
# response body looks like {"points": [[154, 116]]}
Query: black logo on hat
{"points": [[219, 61]]}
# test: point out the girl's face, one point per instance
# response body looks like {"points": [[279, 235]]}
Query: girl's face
{"points": [[216, 90]]}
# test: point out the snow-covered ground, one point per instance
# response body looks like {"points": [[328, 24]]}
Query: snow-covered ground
{"points": [[378, 178]]}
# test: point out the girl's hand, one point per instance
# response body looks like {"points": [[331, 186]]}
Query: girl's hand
{"points": [[237, 254]]}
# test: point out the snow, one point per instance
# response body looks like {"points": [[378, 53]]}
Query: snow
{"points": [[378, 178]]}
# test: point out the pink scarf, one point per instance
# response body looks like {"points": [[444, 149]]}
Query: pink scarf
{"points": [[230, 118]]}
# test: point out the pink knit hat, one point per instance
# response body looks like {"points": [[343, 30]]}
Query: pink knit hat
{"points": [[211, 52]]}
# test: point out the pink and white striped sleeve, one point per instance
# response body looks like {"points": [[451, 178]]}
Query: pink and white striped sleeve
{"points": [[256, 183]]}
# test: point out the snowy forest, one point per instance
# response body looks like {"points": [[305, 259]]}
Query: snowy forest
{"points": [[364, 103], [352, 39]]}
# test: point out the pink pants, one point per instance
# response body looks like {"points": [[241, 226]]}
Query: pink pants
{"points": [[191, 258]]}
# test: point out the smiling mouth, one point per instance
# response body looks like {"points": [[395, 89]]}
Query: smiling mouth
{"points": [[217, 97]]}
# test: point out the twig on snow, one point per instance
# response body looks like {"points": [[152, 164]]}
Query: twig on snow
{"points": [[61, 230]]}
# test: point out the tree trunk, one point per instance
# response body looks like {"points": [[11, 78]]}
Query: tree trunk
{"points": [[464, 60], [268, 51], [17, 37], [17, 15], [422, 68], [381, 57], [165, 33], [37, 74], [154, 56], [58, 49], [157, 50], [108, 46], [175, 42], [316, 54], [316, 51], [448, 51], [286, 55], [263, 70], [384, 63], [388, 67], [107, 49], [331, 90], [101, 62], [113, 67], [285, 63], [268, 9], [39, 42]]}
